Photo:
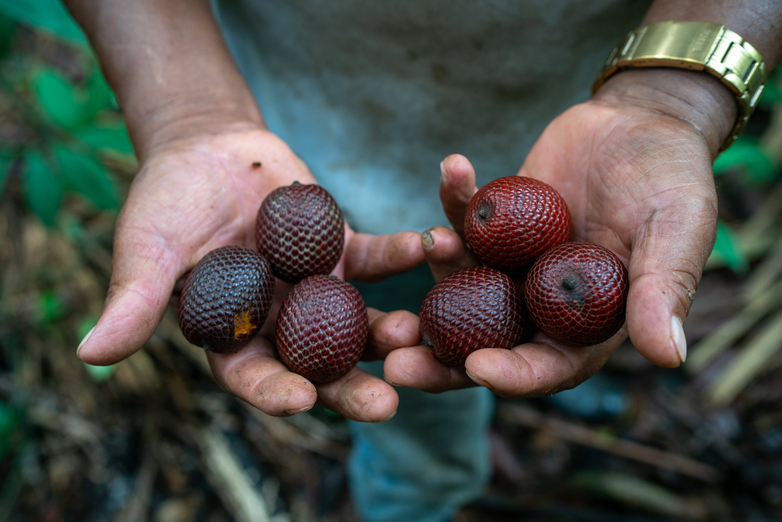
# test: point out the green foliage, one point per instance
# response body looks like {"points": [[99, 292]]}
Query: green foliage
{"points": [[726, 247], [96, 373], [42, 188], [49, 15], [50, 306], [772, 93], [747, 156], [108, 137], [9, 423], [76, 124], [86, 176], [7, 31]]}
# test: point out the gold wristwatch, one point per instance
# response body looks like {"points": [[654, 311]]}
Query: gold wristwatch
{"points": [[698, 46]]}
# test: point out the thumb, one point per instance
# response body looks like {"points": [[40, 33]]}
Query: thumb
{"points": [[665, 268], [142, 279], [457, 186]]}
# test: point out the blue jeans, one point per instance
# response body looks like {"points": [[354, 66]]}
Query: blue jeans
{"points": [[433, 456]]}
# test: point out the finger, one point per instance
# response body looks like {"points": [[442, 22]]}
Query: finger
{"points": [[416, 367], [143, 274], [665, 268], [389, 331], [446, 252], [255, 376], [372, 258], [359, 396], [457, 186], [537, 369]]}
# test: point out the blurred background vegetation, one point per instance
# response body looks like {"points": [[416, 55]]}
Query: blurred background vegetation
{"points": [[155, 438]]}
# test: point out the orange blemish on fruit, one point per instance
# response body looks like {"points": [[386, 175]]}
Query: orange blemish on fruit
{"points": [[243, 324]]}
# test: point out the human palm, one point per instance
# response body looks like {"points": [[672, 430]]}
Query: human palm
{"points": [[637, 182], [203, 192]]}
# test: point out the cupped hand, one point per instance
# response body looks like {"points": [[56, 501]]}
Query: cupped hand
{"points": [[202, 192], [637, 181]]}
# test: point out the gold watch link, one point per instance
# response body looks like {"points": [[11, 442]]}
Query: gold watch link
{"points": [[698, 46]]}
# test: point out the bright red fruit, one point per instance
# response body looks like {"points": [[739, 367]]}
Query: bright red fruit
{"points": [[511, 221], [474, 308], [322, 328], [300, 229], [576, 293]]}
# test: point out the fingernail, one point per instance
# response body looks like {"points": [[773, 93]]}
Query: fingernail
{"points": [[427, 240], [389, 382], [442, 171], [679, 341], [294, 412], [84, 341], [389, 417], [480, 382]]}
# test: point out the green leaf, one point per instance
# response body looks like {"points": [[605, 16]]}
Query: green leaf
{"points": [[771, 96], [99, 93], [9, 422], [42, 188], [60, 100], [86, 176], [85, 326], [49, 15], [114, 137], [7, 31], [50, 306], [100, 373], [726, 247], [747, 155]]}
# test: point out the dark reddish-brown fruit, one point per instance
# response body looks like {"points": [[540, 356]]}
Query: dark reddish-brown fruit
{"points": [[300, 229], [474, 308], [511, 221], [322, 328], [576, 293], [226, 299]]}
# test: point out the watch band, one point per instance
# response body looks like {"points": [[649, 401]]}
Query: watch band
{"points": [[698, 46]]}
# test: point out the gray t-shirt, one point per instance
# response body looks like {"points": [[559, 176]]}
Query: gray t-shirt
{"points": [[373, 95]]}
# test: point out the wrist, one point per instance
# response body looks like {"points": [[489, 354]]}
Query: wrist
{"points": [[153, 124], [695, 98]]}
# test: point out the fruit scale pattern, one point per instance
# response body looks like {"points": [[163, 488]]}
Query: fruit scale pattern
{"points": [[322, 328], [576, 293], [226, 298], [473, 308], [300, 229]]}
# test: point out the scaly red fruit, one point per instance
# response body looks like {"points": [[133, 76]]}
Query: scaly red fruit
{"points": [[322, 328], [300, 229], [576, 293], [474, 308], [511, 221], [226, 299]]}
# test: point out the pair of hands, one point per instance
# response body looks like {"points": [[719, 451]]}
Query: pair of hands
{"points": [[637, 180]]}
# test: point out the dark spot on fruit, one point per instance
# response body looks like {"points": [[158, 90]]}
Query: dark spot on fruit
{"points": [[587, 305], [512, 221], [569, 284], [485, 210]]}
